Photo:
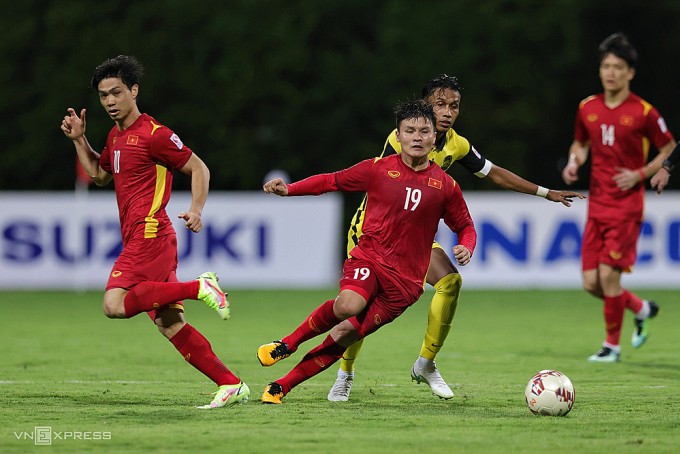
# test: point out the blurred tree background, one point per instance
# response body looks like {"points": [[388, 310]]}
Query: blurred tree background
{"points": [[309, 86]]}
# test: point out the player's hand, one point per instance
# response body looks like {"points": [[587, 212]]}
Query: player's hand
{"points": [[462, 254], [276, 186], [570, 173], [192, 220], [73, 125], [625, 179], [660, 180], [564, 197]]}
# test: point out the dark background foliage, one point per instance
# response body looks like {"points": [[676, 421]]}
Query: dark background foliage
{"points": [[309, 86]]}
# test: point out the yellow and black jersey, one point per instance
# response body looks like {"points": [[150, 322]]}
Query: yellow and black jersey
{"points": [[448, 149]]}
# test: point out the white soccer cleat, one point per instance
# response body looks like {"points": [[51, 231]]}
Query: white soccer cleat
{"points": [[605, 355], [433, 378], [342, 387]]}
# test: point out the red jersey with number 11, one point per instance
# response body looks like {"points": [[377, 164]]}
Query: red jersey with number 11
{"points": [[619, 137], [403, 210], [141, 159]]}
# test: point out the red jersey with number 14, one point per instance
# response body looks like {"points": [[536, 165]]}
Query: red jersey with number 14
{"points": [[403, 210], [619, 137], [141, 159]]}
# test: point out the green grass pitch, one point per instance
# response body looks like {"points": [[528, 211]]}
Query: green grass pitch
{"points": [[66, 367]]}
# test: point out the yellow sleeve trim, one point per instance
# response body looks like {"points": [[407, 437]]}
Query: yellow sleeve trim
{"points": [[154, 126], [646, 107]]}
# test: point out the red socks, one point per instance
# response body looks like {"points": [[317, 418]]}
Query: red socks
{"points": [[318, 359], [322, 319], [614, 308], [148, 295], [633, 302], [196, 349]]}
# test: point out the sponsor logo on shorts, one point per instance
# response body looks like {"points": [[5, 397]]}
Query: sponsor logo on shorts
{"points": [[616, 255], [116, 273], [319, 362], [376, 319]]}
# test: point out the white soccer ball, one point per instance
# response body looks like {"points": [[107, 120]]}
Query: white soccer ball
{"points": [[549, 393]]}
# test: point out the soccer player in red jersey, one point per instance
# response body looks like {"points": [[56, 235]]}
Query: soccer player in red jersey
{"points": [[407, 195], [140, 156], [617, 127], [444, 93]]}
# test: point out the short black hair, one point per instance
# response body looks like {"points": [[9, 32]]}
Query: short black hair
{"points": [[123, 67], [441, 82], [618, 45], [414, 109]]}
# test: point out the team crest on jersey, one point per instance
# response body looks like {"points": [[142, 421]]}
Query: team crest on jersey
{"points": [[592, 117], [176, 140], [114, 140], [132, 140], [626, 120], [393, 173], [437, 184]]}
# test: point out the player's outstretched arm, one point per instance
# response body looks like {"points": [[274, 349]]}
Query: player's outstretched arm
{"points": [[276, 186], [509, 180], [73, 127]]}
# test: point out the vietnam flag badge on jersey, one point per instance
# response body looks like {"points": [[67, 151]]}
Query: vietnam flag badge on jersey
{"points": [[431, 182]]}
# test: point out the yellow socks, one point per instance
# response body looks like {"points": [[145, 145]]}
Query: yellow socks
{"points": [[347, 360], [440, 316]]}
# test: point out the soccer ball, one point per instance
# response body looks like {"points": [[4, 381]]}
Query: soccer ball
{"points": [[549, 393]]}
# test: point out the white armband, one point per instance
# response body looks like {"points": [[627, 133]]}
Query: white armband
{"points": [[485, 170]]}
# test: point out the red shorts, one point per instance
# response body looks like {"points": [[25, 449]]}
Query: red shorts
{"points": [[385, 301], [148, 259], [612, 242]]}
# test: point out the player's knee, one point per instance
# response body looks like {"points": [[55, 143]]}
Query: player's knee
{"points": [[113, 309], [592, 285], [449, 285], [344, 308]]}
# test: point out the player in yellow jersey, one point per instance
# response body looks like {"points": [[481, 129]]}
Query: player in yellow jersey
{"points": [[443, 92]]}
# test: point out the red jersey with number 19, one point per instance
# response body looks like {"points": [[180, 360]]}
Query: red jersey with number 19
{"points": [[141, 159], [403, 210], [619, 137]]}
